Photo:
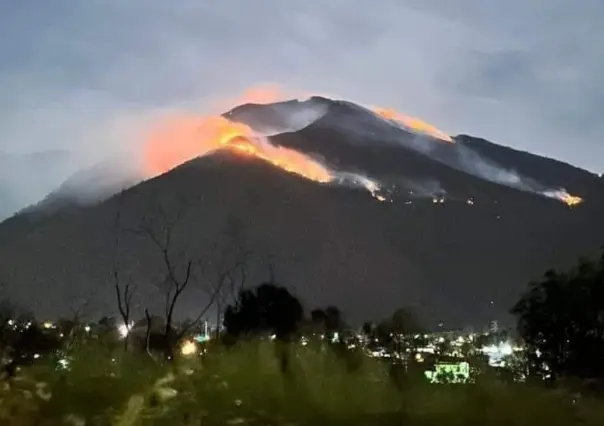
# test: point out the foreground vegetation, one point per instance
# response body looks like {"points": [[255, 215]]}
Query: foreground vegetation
{"points": [[246, 384], [70, 373]]}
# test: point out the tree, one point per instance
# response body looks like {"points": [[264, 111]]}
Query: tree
{"points": [[124, 292], [328, 321], [368, 329], [266, 309], [561, 319], [393, 330], [72, 328], [7, 313], [178, 271], [30, 343], [227, 275], [220, 279]]}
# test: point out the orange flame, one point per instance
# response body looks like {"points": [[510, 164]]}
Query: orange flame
{"points": [[571, 200], [184, 137], [563, 195], [181, 139], [413, 123]]}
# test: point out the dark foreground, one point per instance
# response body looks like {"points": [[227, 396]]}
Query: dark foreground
{"points": [[246, 385]]}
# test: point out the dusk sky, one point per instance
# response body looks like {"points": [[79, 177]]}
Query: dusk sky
{"points": [[528, 74]]}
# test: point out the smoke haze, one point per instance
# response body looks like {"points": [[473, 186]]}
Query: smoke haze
{"points": [[528, 75]]}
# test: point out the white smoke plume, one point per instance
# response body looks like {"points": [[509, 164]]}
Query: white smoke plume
{"points": [[471, 162], [287, 117], [465, 159], [353, 179]]}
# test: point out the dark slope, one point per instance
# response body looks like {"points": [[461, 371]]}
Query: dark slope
{"points": [[549, 171], [331, 244], [352, 137], [319, 236]]}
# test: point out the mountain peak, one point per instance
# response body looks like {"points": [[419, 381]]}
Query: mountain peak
{"points": [[396, 215]]}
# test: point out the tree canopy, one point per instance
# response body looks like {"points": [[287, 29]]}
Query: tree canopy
{"points": [[268, 308], [561, 319]]}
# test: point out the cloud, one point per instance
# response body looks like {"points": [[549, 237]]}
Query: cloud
{"points": [[87, 76]]}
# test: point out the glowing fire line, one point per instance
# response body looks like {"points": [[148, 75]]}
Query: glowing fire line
{"points": [[185, 138], [180, 139], [412, 123]]}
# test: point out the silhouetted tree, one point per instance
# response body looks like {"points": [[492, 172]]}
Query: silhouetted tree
{"points": [[7, 313], [561, 319], [124, 291], [318, 316], [28, 343], [227, 273], [220, 278], [268, 308], [368, 329], [392, 331], [161, 230], [327, 321]]}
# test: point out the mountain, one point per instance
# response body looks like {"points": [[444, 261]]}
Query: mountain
{"points": [[88, 186], [466, 223], [26, 178]]}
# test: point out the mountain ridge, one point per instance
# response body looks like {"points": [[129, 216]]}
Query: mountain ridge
{"points": [[448, 260]]}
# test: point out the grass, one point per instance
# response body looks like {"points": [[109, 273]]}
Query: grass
{"points": [[244, 385]]}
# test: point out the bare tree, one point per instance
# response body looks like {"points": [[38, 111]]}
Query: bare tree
{"points": [[179, 273], [229, 281], [123, 292], [148, 334], [7, 314], [228, 271]]}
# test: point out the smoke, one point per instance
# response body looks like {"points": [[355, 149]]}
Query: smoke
{"points": [[428, 188], [111, 139], [392, 127], [282, 117], [134, 145], [358, 180], [464, 159], [472, 163]]}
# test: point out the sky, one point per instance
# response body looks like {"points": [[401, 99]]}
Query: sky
{"points": [[80, 75]]}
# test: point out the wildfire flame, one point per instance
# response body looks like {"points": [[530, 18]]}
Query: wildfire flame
{"points": [[183, 138], [571, 200], [412, 123], [562, 195]]}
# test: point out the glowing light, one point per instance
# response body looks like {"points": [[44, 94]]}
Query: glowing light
{"points": [[48, 325], [571, 200], [412, 123], [183, 138], [564, 196], [188, 348], [124, 330]]}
